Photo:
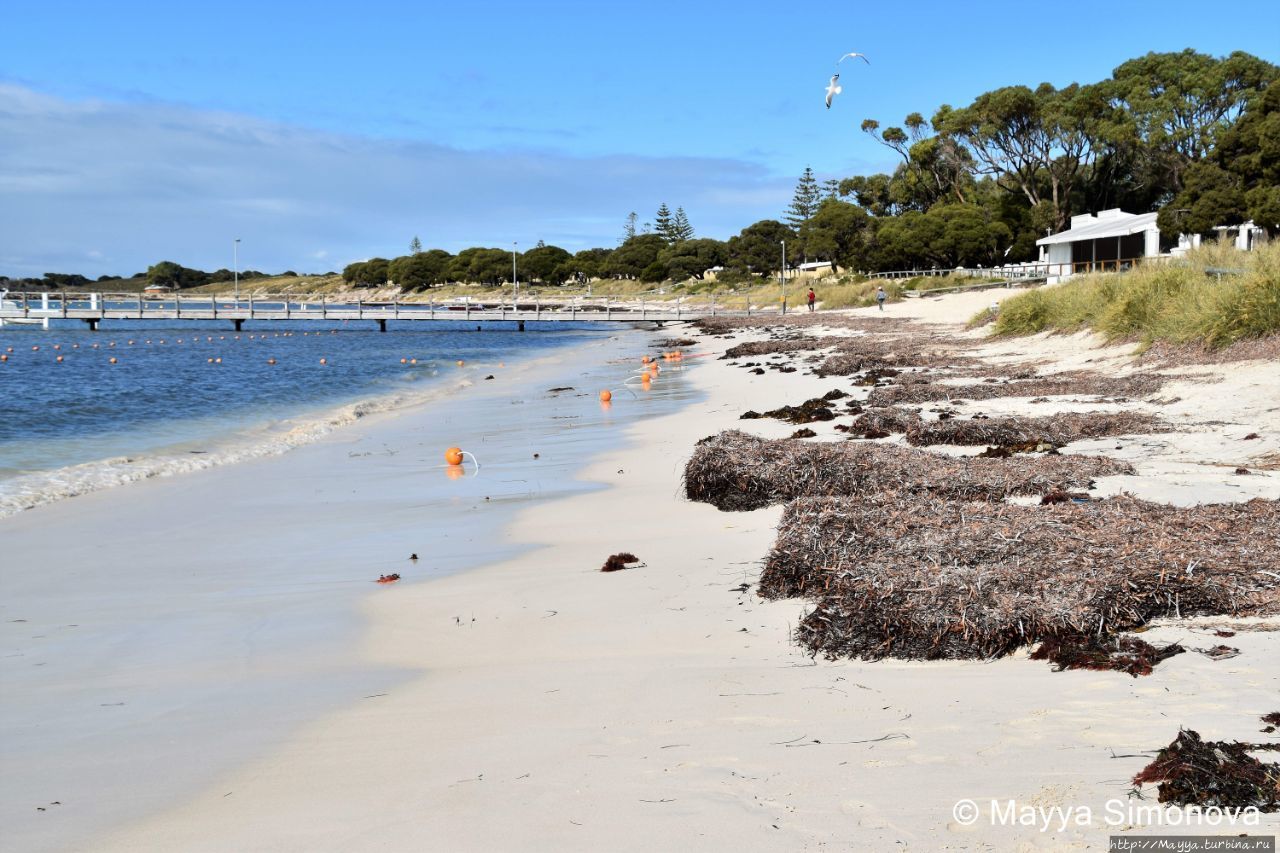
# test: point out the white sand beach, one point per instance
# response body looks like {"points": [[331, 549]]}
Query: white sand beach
{"points": [[539, 704]]}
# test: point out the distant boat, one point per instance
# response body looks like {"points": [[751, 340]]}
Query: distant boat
{"points": [[7, 304], [10, 305]]}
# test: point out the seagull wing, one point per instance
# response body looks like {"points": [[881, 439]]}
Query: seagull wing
{"points": [[859, 55]]}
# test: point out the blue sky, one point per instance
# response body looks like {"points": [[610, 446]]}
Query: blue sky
{"points": [[322, 133]]}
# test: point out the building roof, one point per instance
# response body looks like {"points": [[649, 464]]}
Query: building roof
{"points": [[1108, 224], [812, 265]]}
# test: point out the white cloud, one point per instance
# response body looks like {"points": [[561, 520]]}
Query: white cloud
{"points": [[143, 182]]}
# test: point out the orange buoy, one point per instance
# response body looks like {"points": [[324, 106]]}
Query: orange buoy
{"points": [[404, 361], [271, 361], [217, 361], [57, 346], [453, 456], [4, 358], [461, 362], [644, 359], [33, 349], [209, 361], [324, 361], [413, 361], [606, 396], [59, 359], [112, 359]]}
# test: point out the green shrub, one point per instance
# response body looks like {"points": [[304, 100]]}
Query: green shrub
{"points": [[1178, 303]]}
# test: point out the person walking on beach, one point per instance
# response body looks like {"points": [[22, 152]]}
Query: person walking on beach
{"points": [[813, 297], [881, 296]]}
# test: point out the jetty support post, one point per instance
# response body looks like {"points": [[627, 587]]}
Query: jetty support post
{"points": [[382, 324], [520, 325], [239, 324], [93, 323]]}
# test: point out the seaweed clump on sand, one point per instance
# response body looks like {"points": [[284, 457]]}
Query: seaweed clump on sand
{"points": [[1191, 771], [906, 576], [1083, 384], [734, 470], [816, 409], [1089, 651], [618, 562], [775, 346], [1059, 429]]}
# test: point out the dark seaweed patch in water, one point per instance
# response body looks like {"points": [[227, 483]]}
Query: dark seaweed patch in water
{"points": [[1122, 654], [1192, 771]]}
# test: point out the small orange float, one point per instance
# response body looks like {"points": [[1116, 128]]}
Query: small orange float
{"points": [[606, 396], [453, 456]]}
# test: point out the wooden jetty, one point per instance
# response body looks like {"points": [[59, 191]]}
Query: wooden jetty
{"points": [[94, 308]]}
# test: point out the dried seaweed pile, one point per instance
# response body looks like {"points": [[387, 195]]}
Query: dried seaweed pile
{"points": [[1193, 771], [907, 577], [736, 471], [878, 423], [1059, 429], [777, 345], [1092, 384]]}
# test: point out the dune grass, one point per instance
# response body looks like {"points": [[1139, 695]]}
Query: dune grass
{"points": [[1179, 303]]}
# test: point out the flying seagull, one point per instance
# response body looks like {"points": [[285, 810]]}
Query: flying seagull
{"points": [[833, 89], [859, 55]]}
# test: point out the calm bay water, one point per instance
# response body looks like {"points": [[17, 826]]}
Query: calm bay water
{"points": [[85, 423]]}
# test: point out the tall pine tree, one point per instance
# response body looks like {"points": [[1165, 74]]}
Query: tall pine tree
{"points": [[629, 229], [830, 189], [680, 226], [415, 246], [663, 225], [804, 204]]}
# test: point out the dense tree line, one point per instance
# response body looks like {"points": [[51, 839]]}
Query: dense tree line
{"points": [[1192, 136]]}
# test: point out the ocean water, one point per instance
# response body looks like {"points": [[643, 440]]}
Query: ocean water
{"points": [[190, 395]]}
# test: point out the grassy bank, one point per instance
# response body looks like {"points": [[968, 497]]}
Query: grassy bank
{"points": [[1178, 303]]}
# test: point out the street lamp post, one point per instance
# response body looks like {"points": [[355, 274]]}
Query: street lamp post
{"points": [[235, 262], [782, 277], [515, 279]]}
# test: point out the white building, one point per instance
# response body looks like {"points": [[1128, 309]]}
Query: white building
{"points": [[1112, 239]]}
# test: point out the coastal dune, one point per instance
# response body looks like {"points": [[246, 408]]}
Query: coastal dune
{"points": [[553, 706]]}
